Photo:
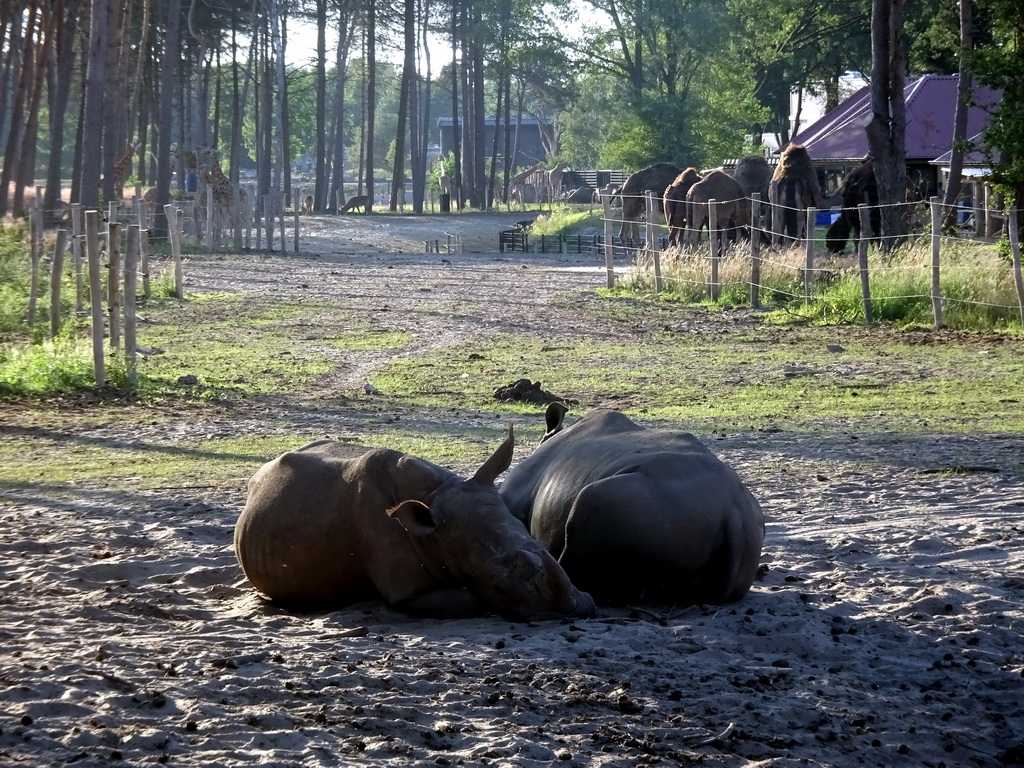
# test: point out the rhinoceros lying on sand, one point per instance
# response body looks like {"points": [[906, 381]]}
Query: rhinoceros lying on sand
{"points": [[322, 530], [638, 514]]}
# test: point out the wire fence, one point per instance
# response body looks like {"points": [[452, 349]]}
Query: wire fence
{"points": [[762, 264], [745, 236]]}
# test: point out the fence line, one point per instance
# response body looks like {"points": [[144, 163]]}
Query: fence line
{"points": [[647, 255]]}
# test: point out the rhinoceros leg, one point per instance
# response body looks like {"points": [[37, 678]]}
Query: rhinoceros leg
{"points": [[631, 537]]}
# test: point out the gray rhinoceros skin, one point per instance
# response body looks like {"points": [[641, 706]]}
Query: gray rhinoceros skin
{"points": [[322, 529], [638, 514]]}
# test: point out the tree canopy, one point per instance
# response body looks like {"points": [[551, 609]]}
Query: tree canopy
{"points": [[613, 83]]}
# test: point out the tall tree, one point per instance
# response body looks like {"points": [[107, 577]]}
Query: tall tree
{"points": [[93, 119], [370, 95], [62, 65], [1000, 64], [963, 94], [886, 130], [405, 97], [165, 120]]}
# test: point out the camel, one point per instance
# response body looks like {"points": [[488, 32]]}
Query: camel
{"points": [[654, 177], [731, 209], [674, 203], [753, 174], [794, 186]]}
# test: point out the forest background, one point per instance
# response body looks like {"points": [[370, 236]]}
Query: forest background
{"points": [[614, 83]]}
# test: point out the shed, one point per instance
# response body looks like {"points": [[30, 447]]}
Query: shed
{"points": [[526, 138], [837, 142]]}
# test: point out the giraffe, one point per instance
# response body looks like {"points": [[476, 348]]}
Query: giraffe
{"points": [[555, 180], [149, 196], [224, 199], [120, 170], [518, 188]]}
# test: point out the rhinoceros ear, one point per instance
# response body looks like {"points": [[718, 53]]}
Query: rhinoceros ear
{"points": [[553, 418], [498, 462], [416, 517]]}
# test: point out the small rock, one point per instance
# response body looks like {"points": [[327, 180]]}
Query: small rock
{"points": [[188, 380], [834, 348]]}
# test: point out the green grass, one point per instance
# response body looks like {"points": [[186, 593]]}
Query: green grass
{"points": [[562, 220], [754, 378], [976, 284]]}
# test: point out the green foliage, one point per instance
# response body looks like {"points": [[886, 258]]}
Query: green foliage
{"points": [[565, 221], [56, 367], [1001, 65]]}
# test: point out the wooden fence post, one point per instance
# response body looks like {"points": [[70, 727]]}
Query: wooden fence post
{"points": [[76, 249], [131, 263], [776, 212], [56, 274], [92, 247], [713, 238], [609, 248], [211, 215], [114, 282], [812, 214], [174, 236], [651, 239], [862, 258], [755, 250], [179, 275], [283, 197], [936, 213], [1018, 279], [257, 218], [296, 195], [35, 229], [268, 215], [144, 256]]}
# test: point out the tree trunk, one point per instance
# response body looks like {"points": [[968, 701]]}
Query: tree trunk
{"points": [[479, 167], [371, 94], [165, 118], [320, 177], [963, 95], [19, 114], [283, 122], [92, 133], [346, 30], [887, 128], [456, 124], [405, 94], [27, 155], [425, 128], [63, 69]]}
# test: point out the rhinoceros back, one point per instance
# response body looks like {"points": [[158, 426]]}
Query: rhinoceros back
{"points": [[296, 538]]}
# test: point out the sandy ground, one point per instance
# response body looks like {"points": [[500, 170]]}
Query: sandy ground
{"points": [[886, 629]]}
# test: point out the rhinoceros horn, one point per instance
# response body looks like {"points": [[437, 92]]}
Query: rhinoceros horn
{"points": [[498, 462]]}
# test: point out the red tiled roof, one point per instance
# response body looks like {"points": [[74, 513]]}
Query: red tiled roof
{"points": [[931, 103]]}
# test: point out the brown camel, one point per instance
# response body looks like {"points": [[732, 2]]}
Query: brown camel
{"points": [[675, 205], [731, 207], [796, 189], [654, 177]]}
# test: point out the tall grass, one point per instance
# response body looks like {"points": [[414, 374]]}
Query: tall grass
{"points": [[976, 284], [564, 220], [58, 366]]}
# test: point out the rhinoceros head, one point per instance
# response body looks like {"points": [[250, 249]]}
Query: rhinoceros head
{"points": [[466, 536]]}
